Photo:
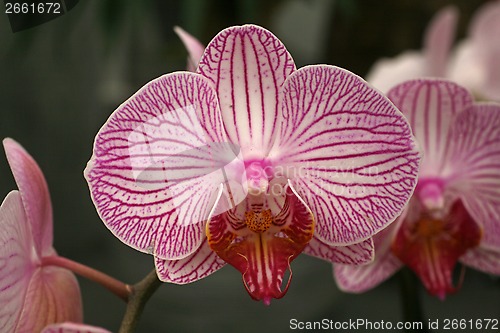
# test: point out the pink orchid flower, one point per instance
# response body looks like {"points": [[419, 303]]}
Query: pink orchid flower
{"points": [[250, 162], [454, 213], [473, 64], [32, 295], [193, 46], [69, 327]]}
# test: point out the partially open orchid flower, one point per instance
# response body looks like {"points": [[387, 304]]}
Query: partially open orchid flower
{"points": [[250, 162], [193, 46], [32, 294], [69, 327], [473, 64], [454, 213]]}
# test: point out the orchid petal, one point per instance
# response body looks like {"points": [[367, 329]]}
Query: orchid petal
{"points": [[355, 254], [430, 105], [154, 170], [248, 65], [360, 278], [473, 169], [16, 252], [73, 328], [438, 41], [53, 296], [35, 195], [348, 151], [485, 34], [193, 46], [484, 260], [387, 73], [198, 265]]}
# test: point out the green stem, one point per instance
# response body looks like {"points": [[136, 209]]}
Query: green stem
{"points": [[117, 287], [412, 309], [141, 292]]}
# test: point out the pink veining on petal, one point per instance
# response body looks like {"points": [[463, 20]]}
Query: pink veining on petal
{"points": [[153, 173], [360, 278], [473, 169], [34, 193], [198, 265], [429, 106], [17, 253], [248, 65], [483, 259], [193, 46], [348, 151], [68, 327], [355, 254], [53, 296]]}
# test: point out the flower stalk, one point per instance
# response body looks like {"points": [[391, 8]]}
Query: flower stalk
{"points": [[139, 295], [117, 287]]}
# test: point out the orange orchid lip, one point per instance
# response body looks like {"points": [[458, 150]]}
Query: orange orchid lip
{"points": [[431, 247]]}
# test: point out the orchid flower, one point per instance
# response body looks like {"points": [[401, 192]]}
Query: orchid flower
{"points": [[250, 162], [454, 213], [193, 46], [475, 61], [473, 64], [32, 294], [69, 327]]}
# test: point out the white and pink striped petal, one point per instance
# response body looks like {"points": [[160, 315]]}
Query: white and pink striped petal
{"points": [[198, 265], [157, 165], [35, 195], [474, 167], [355, 254], [248, 65], [430, 105], [484, 260], [360, 278], [348, 151]]}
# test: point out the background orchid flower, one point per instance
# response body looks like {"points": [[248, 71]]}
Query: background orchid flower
{"points": [[193, 46], [473, 64], [69, 327], [475, 61], [454, 213], [250, 162], [431, 61], [32, 294]]}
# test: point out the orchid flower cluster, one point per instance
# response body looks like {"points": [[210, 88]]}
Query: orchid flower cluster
{"points": [[248, 161]]}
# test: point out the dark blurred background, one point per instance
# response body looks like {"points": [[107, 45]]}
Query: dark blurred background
{"points": [[60, 81]]}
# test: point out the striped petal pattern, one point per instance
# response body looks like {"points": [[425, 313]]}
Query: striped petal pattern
{"points": [[360, 278], [202, 263], [474, 167], [348, 151], [429, 106], [248, 65], [16, 245], [355, 254], [153, 173]]}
